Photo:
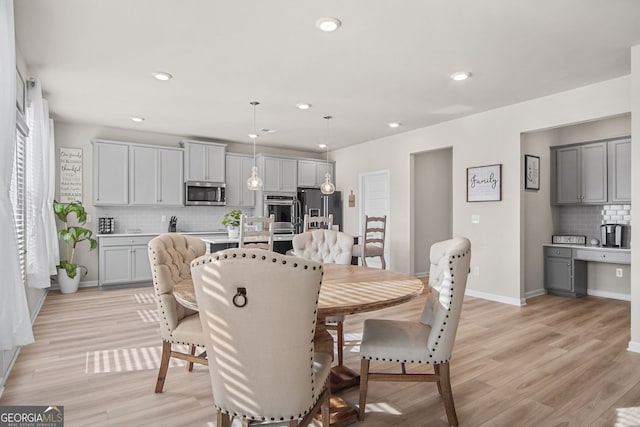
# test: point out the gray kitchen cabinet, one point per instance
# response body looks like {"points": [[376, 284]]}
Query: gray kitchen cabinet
{"points": [[238, 170], [579, 174], [110, 173], [620, 170], [155, 176], [170, 177], [563, 275], [204, 161], [311, 172], [278, 173], [123, 260]]}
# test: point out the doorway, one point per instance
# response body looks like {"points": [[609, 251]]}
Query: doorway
{"points": [[432, 204]]}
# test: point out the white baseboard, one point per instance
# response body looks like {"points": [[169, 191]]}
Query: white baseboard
{"points": [[422, 274], [85, 284], [497, 298], [634, 346], [535, 293], [605, 294]]}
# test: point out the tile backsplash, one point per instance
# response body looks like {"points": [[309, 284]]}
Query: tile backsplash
{"points": [[148, 219], [586, 220]]}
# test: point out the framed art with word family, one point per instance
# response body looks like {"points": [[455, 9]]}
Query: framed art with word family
{"points": [[484, 183]]}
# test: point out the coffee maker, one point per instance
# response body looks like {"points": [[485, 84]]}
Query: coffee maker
{"points": [[611, 235]]}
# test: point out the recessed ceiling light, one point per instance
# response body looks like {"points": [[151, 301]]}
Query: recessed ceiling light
{"points": [[137, 119], [253, 135], [303, 106], [459, 76], [267, 130], [394, 124], [328, 24], [161, 75], [322, 145]]}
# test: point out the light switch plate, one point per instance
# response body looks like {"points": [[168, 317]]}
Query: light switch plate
{"points": [[475, 219]]}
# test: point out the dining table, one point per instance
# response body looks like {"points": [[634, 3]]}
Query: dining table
{"points": [[346, 289]]}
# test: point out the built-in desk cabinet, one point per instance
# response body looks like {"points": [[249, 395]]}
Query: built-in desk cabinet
{"points": [[238, 171], [123, 260], [620, 171], [311, 172], [580, 174], [204, 161]]}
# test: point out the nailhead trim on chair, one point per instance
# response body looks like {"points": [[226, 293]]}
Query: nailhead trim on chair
{"points": [[437, 362], [314, 396]]}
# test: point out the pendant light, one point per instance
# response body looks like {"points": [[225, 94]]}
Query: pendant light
{"points": [[254, 182], [327, 186]]}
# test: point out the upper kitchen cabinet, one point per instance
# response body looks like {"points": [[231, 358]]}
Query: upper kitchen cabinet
{"points": [[238, 171], [311, 172], [204, 161], [279, 174], [110, 173], [620, 170], [156, 175], [579, 174]]}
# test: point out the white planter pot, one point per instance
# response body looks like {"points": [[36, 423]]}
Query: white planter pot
{"points": [[67, 284], [234, 233]]}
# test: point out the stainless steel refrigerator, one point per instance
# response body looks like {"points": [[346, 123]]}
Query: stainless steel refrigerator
{"points": [[314, 203]]}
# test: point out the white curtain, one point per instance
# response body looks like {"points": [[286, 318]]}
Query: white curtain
{"points": [[40, 220], [15, 324], [53, 249]]}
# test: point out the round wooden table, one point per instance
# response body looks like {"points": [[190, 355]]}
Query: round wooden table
{"points": [[346, 289]]}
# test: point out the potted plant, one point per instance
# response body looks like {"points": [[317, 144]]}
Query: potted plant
{"points": [[232, 221], [68, 276]]}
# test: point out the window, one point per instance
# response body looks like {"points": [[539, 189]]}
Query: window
{"points": [[18, 192]]}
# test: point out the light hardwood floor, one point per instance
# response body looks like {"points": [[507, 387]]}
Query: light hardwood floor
{"points": [[554, 362]]}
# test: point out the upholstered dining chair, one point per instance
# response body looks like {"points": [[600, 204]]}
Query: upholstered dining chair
{"points": [[259, 373], [328, 246], [428, 340], [313, 222], [170, 256], [256, 231], [373, 236]]}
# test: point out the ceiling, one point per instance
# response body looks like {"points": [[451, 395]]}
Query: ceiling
{"points": [[390, 61]]}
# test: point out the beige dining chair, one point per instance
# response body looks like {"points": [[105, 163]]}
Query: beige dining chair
{"points": [[428, 340], [315, 222], [327, 246], [170, 256], [259, 373], [373, 236], [256, 232]]}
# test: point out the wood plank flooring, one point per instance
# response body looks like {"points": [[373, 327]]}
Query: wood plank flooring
{"points": [[555, 362]]}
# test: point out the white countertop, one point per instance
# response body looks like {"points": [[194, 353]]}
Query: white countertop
{"points": [[199, 233], [593, 248]]}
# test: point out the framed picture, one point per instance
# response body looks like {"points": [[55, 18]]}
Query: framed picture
{"points": [[484, 183], [531, 172], [20, 91]]}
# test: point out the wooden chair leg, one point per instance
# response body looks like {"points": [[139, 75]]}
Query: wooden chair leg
{"points": [[326, 406], [384, 264], [340, 333], [436, 370], [364, 379], [192, 351], [447, 394], [293, 423], [222, 420], [164, 365]]}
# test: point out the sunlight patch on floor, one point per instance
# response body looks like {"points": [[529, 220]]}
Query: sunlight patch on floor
{"points": [[146, 298], [149, 316], [628, 417], [127, 359], [382, 407]]}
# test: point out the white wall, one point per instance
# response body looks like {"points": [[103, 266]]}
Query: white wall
{"points": [[635, 195], [482, 139]]}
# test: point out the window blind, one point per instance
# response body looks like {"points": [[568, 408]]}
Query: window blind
{"points": [[18, 193]]}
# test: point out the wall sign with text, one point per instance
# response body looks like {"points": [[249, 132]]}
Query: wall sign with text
{"points": [[70, 174], [484, 183]]}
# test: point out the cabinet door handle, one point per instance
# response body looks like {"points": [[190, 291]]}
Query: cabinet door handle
{"points": [[568, 265]]}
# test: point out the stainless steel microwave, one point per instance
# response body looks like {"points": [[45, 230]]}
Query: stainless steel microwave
{"points": [[204, 193]]}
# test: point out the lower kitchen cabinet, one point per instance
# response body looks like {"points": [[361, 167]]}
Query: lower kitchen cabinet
{"points": [[563, 275], [123, 260]]}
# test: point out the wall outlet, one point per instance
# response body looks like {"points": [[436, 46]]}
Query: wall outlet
{"points": [[475, 219], [89, 218], [476, 271], [618, 272], [163, 218]]}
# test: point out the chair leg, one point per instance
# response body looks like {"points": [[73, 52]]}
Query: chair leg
{"points": [[222, 420], [436, 370], [447, 395], [340, 333], [364, 260], [164, 365], [364, 379], [192, 351], [325, 409], [384, 264]]}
